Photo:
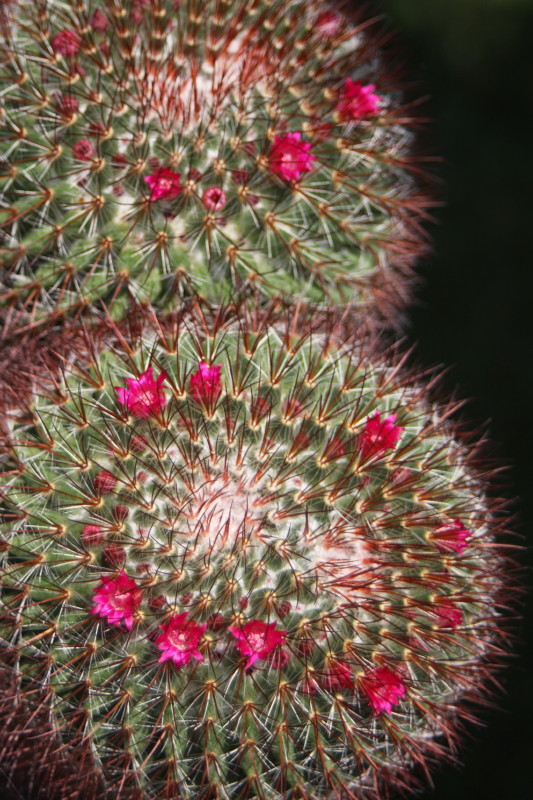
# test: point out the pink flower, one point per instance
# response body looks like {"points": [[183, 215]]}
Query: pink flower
{"points": [[99, 22], [205, 385], [91, 535], [383, 689], [449, 616], [338, 675], [83, 150], [117, 599], [179, 640], [66, 43], [144, 396], [164, 184], [104, 481], [214, 198], [358, 101], [289, 157], [451, 536], [378, 436], [256, 639]]}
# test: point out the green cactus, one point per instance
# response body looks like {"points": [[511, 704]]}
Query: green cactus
{"points": [[245, 563], [152, 150]]}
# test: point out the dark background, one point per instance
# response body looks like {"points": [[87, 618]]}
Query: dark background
{"points": [[475, 60]]}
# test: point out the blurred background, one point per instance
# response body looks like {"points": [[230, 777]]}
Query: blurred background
{"points": [[475, 60]]}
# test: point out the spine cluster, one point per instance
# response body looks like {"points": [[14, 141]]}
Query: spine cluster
{"points": [[244, 552]]}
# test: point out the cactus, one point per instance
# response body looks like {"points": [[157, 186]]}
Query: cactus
{"points": [[246, 562], [155, 150]]}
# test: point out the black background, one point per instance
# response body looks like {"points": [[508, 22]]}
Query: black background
{"points": [[475, 59]]}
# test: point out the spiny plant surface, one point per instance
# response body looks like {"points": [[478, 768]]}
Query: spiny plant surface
{"points": [[152, 150], [241, 563]]}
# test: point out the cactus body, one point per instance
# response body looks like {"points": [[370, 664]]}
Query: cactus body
{"points": [[155, 150], [244, 563]]}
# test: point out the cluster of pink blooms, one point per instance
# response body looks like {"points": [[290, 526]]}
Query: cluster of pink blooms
{"points": [[164, 184], [118, 599], [145, 396], [289, 156], [379, 436], [358, 101]]}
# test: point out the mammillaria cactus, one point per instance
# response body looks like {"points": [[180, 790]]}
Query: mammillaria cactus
{"points": [[245, 562], [154, 149]]}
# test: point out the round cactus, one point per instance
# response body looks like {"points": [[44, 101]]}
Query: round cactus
{"points": [[151, 150], [240, 562]]}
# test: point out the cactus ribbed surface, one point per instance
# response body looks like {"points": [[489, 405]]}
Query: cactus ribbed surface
{"points": [[246, 563], [153, 150]]}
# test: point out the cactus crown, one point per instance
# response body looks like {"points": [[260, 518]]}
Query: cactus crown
{"points": [[155, 149], [246, 563]]}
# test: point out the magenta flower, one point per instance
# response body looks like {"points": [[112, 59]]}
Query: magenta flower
{"points": [[83, 150], [358, 101], [257, 639], [91, 535], [214, 198], [117, 599], [378, 436], [179, 640], [205, 386], [448, 615], [289, 157], [383, 689], [104, 481], [144, 396], [99, 22], [66, 43], [164, 184], [451, 536]]}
